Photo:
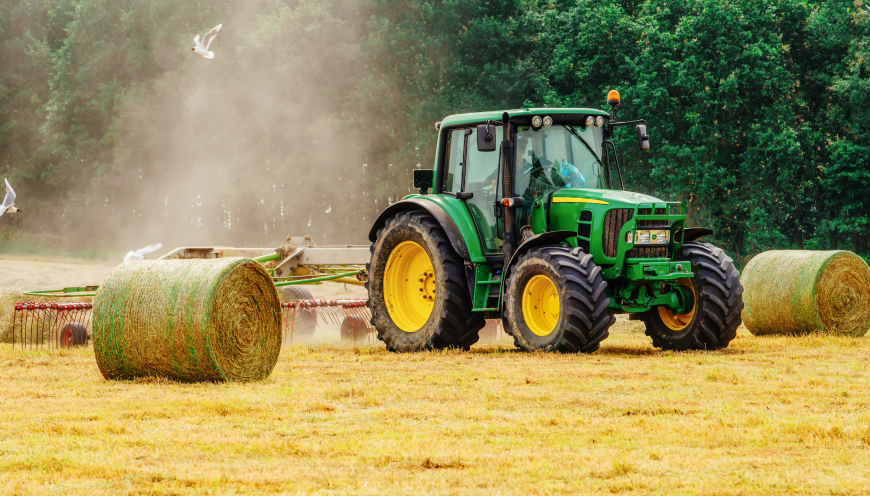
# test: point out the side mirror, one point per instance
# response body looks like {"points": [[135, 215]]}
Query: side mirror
{"points": [[423, 180], [642, 138], [486, 138]]}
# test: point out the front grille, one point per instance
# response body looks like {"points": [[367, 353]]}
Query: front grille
{"points": [[653, 223], [613, 222], [647, 211], [648, 252]]}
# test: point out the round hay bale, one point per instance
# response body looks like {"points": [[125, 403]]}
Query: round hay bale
{"points": [[187, 320], [796, 292]]}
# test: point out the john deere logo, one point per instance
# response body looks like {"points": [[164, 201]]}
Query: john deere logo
{"points": [[654, 237]]}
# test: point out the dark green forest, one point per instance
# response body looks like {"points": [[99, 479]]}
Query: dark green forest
{"points": [[312, 114]]}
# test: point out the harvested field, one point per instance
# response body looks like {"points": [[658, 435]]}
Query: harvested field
{"points": [[768, 415]]}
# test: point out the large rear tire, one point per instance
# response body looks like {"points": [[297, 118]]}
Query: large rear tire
{"points": [[555, 300], [418, 293], [713, 321]]}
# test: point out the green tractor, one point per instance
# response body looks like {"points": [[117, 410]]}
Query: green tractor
{"points": [[524, 224]]}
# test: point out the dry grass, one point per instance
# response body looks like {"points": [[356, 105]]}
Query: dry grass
{"points": [[775, 415]]}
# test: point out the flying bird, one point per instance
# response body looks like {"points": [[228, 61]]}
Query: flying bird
{"points": [[202, 48], [140, 253], [8, 206]]}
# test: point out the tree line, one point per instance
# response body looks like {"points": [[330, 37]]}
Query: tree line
{"points": [[313, 113]]}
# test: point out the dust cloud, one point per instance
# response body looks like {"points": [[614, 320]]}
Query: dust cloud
{"points": [[263, 141]]}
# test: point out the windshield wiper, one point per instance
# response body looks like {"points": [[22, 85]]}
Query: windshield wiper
{"points": [[573, 131]]}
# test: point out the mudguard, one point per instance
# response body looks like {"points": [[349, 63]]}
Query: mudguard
{"points": [[693, 233], [547, 238], [453, 232]]}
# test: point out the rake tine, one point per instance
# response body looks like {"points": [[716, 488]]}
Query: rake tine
{"points": [[43, 318], [86, 318], [21, 330], [30, 326], [44, 323], [292, 325], [14, 316], [55, 335]]}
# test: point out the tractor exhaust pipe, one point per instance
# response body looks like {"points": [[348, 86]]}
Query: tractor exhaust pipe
{"points": [[507, 167]]}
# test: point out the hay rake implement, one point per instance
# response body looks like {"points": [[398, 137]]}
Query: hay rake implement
{"points": [[51, 325]]}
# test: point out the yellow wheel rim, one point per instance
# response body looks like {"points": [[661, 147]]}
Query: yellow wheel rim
{"points": [[678, 322], [541, 305], [409, 286]]}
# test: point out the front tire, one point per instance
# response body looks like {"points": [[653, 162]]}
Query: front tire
{"points": [[418, 293], [713, 321], [555, 300]]}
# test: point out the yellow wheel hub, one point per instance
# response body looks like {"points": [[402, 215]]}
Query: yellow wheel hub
{"points": [[678, 322], [409, 286], [541, 305]]}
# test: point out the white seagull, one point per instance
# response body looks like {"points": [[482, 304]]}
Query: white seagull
{"points": [[8, 206], [202, 48], [140, 253]]}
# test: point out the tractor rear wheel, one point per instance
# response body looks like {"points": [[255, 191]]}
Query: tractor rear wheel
{"points": [[713, 321], [555, 300], [418, 294]]}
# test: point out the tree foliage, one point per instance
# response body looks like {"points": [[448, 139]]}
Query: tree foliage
{"points": [[313, 113]]}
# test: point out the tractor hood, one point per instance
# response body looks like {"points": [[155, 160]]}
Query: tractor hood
{"points": [[608, 197]]}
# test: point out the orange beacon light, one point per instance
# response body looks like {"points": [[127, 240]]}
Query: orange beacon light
{"points": [[613, 97]]}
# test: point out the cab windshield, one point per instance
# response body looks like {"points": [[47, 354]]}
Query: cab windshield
{"points": [[559, 156]]}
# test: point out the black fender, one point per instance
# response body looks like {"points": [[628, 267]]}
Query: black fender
{"points": [[693, 233], [453, 233], [547, 238]]}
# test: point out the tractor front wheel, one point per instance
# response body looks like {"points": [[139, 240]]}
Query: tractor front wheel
{"points": [[713, 320], [555, 300], [418, 294]]}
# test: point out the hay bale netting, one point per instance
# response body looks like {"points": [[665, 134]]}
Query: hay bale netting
{"points": [[796, 292], [187, 320]]}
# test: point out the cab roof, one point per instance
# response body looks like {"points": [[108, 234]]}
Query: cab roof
{"points": [[496, 115]]}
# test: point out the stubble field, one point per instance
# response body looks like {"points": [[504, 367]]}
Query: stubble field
{"points": [[766, 416]]}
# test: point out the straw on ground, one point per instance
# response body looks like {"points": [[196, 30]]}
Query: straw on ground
{"points": [[764, 416]]}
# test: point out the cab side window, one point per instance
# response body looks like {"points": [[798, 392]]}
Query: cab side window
{"points": [[455, 161]]}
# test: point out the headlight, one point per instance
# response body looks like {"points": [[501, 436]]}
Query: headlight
{"points": [[657, 237], [590, 121], [537, 121], [548, 121], [599, 121]]}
